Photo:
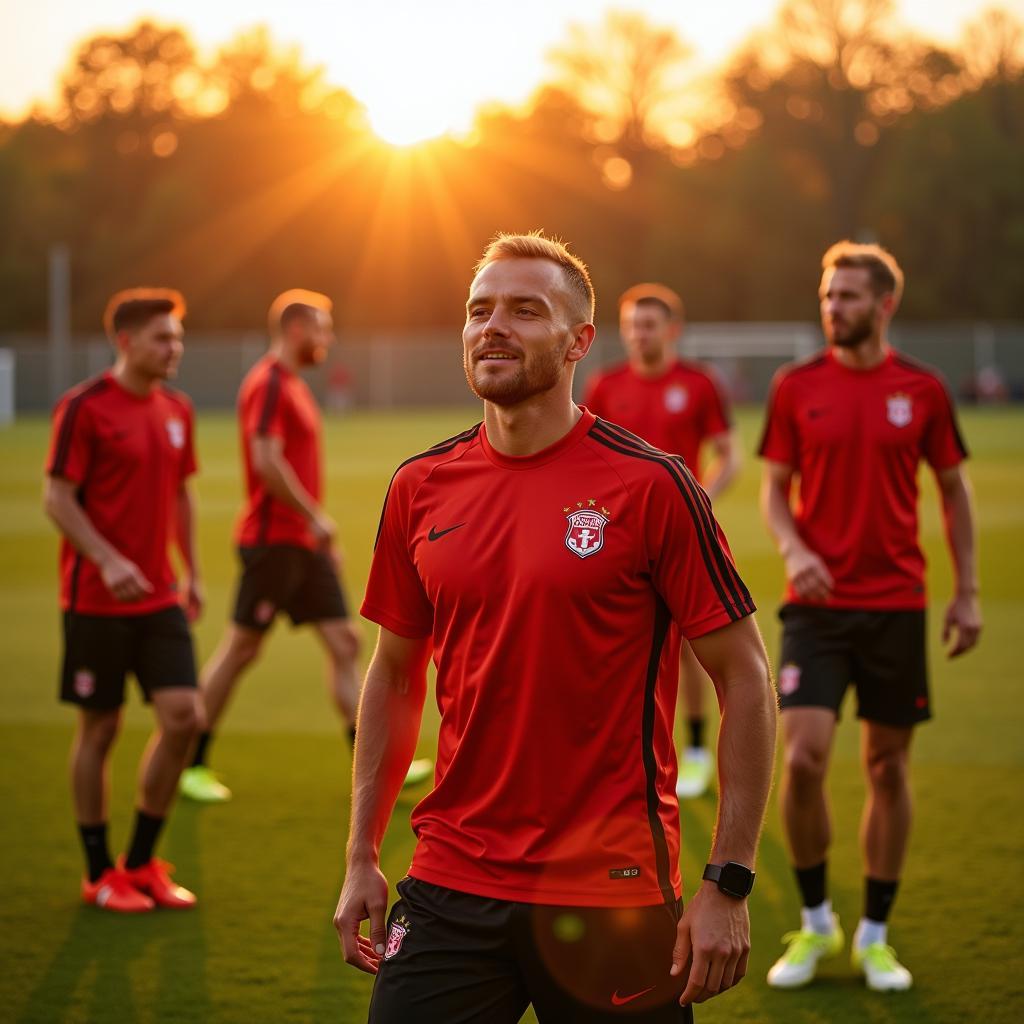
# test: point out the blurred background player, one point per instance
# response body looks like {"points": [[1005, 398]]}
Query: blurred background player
{"points": [[854, 422], [116, 487], [677, 406], [540, 557]]}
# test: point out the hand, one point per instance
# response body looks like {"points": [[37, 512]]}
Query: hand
{"points": [[323, 528], [808, 574], [712, 944], [963, 616], [363, 896], [123, 578], [337, 559], [195, 599]]}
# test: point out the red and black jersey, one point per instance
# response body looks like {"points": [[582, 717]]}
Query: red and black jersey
{"points": [[129, 456], [856, 438], [548, 585], [676, 411], [274, 402]]}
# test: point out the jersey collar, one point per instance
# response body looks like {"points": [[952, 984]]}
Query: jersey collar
{"points": [[545, 455]]}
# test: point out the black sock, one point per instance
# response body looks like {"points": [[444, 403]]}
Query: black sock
{"points": [[812, 884], [696, 727], [97, 853], [352, 736], [147, 828], [878, 897], [201, 744]]}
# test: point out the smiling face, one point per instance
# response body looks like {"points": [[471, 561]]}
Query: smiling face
{"points": [[851, 310], [522, 330], [153, 350]]}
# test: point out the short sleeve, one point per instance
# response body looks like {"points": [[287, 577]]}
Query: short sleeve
{"points": [[71, 442], [717, 409], [395, 598], [690, 561], [779, 441], [188, 459], [943, 445], [265, 405]]}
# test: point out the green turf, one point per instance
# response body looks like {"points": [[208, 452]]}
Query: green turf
{"points": [[268, 866]]}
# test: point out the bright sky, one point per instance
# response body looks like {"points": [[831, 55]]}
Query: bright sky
{"points": [[411, 62]]}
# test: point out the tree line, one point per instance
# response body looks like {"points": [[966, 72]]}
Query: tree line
{"points": [[235, 179]]}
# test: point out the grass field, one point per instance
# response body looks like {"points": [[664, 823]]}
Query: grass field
{"points": [[268, 866]]}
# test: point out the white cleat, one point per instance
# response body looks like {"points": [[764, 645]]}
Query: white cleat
{"points": [[882, 971], [798, 965], [694, 773]]}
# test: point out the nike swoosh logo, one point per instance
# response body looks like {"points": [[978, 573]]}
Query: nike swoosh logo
{"points": [[436, 534], [618, 1000]]}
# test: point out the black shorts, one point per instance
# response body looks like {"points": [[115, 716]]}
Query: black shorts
{"points": [[287, 578], [882, 653], [453, 958], [100, 651]]}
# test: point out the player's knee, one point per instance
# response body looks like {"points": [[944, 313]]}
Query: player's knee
{"points": [[180, 721], [887, 771], [806, 766], [245, 649], [100, 731], [343, 645]]}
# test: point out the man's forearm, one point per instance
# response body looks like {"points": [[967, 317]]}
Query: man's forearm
{"points": [[388, 726], [280, 479], [187, 530], [778, 517], [746, 754], [958, 513], [77, 527]]}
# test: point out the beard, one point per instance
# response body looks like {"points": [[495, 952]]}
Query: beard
{"points": [[530, 378], [850, 335]]}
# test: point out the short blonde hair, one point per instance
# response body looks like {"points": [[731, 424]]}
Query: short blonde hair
{"points": [[884, 271], [294, 303], [135, 307], [537, 246], [651, 292]]}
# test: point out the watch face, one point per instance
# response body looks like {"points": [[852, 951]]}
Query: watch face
{"points": [[736, 880]]}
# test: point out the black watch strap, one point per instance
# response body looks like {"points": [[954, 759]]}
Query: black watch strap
{"points": [[732, 878]]}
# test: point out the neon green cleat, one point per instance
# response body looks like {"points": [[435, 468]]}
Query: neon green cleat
{"points": [[882, 971], [419, 771], [798, 965], [694, 773], [201, 784]]}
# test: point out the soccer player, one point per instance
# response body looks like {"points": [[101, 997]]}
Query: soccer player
{"points": [[116, 488], [676, 406], [853, 423], [541, 557], [286, 539]]}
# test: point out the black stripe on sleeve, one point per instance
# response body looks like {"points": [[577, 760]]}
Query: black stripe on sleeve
{"points": [[909, 363], [662, 618], [270, 401], [732, 592], [67, 427], [441, 448]]}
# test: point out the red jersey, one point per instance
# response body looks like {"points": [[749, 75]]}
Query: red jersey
{"points": [[274, 402], [129, 456], [548, 585], [856, 438], [676, 411]]}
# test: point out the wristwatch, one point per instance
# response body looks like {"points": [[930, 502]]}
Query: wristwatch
{"points": [[731, 878]]}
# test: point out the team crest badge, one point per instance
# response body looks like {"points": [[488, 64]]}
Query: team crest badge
{"points": [[789, 679], [396, 936], [676, 398], [85, 683], [899, 409], [176, 433], [585, 536]]}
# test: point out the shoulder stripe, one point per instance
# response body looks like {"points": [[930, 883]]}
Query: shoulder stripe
{"points": [[811, 362], [67, 427], [917, 366], [731, 590], [441, 448], [270, 400]]}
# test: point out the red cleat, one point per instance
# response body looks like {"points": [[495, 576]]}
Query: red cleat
{"points": [[154, 879], [113, 891]]}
